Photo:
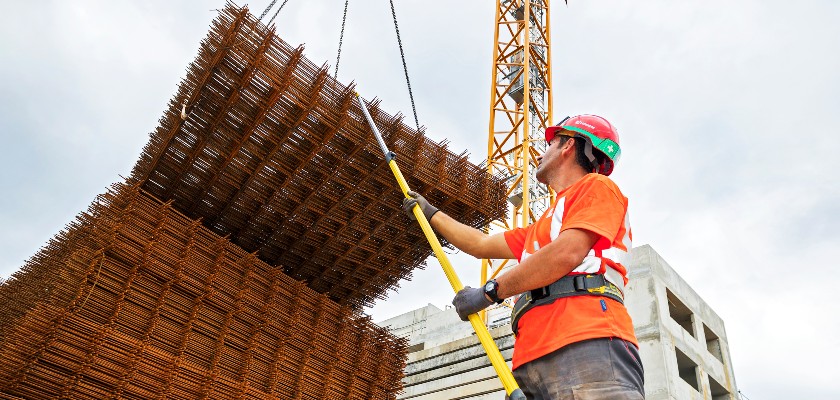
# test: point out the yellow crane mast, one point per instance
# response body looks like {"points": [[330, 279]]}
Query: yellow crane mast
{"points": [[520, 110]]}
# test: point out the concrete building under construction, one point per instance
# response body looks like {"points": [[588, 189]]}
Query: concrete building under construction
{"points": [[682, 342]]}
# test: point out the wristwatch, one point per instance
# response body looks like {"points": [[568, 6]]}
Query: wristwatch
{"points": [[491, 289]]}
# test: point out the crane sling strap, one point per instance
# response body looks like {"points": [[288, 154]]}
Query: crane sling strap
{"points": [[567, 286]]}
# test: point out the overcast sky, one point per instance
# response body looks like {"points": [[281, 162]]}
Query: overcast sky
{"points": [[727, 110]]}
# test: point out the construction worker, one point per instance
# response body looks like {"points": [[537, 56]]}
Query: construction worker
{"points": [[574, 337]]}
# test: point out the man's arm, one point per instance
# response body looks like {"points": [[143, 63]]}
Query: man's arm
{"points": [[470, 240], [549, 264], [544, 267]]}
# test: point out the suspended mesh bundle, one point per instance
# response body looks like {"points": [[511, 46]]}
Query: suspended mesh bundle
{"points": [[277, 154]]}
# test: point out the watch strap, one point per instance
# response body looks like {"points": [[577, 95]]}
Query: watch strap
{"points": [[493, 293]]}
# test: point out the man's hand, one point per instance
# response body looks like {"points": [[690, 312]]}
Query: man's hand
{"points": [[470, 301], [409, 202]]}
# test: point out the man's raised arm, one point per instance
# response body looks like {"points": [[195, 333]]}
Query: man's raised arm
{"points": [[466, 238]]}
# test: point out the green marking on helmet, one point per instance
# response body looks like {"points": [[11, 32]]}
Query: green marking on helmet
{"points": [[606, 146], [609, 148]]}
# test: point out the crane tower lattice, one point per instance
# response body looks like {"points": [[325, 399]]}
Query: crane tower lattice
{"points": [[520, 110]]}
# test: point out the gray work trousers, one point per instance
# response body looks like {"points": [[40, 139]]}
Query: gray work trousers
{"points": [[597, 369]]}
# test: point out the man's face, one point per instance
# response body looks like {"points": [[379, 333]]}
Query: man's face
{"points": [[550, 159]]}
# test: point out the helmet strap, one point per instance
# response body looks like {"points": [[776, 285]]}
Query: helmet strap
{"points": [[587, 151]]}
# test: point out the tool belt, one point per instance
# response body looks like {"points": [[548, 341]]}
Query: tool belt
{"points": [[567, 286]]}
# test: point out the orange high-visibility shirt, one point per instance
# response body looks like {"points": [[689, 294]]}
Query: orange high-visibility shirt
{"points": [[593, 203]]}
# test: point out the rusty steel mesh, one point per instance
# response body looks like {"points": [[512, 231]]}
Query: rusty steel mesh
{"points": [[236, 259], [145, 302], [277, 154]]}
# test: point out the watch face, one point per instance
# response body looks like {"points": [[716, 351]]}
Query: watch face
{"points": [[488, 286]]}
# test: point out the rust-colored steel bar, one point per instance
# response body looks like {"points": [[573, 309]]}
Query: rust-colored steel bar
{"points": [[152, 304]]}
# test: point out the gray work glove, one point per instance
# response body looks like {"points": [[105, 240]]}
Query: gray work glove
{"points": [[470, 301], [409, 202]]}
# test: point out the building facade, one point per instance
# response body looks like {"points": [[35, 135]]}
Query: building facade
{"points": [[683, 343]]}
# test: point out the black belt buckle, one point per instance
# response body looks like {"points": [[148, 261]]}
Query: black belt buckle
{"points": [[579, 282], [584, 282], [538, 294]]}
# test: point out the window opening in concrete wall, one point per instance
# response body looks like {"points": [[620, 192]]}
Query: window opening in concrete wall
{"points": [[718, 391], [499, 322], [713, 343], [687, 369], [416, 347], [680, 313]]}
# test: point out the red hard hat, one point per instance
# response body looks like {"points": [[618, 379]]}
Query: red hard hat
{"points": [[598, 134]]}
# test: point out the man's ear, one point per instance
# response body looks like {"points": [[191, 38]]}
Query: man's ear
{"points": [[568, 146]]}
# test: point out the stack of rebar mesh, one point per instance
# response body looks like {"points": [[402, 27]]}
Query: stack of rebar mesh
{"points": [[149, 303], [236, 259]]}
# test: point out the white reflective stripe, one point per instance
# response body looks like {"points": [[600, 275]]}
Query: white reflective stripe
{"points": [[557, 218], [590, 265], [628, 244], [524, 255], [617, 255]]}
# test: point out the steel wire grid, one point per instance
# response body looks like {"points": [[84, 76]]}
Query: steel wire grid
{"points": [[142, 298], [276, 154], [151, 304]]}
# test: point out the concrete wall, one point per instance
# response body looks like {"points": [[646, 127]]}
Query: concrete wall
{"points": [[682, 343], [684, 347]]}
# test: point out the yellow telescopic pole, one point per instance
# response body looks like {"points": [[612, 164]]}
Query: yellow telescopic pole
{"points": [[511, 387]]}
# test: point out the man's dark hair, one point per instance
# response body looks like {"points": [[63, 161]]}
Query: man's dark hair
{"points": [[580, 155]]}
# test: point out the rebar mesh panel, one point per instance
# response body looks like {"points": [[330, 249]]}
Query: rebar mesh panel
{"points": [[143, 302], [277, 154]]}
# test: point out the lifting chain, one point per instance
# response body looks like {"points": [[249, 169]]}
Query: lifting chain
{"points": [[266, 9], [405, 67], [341, 38]]}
